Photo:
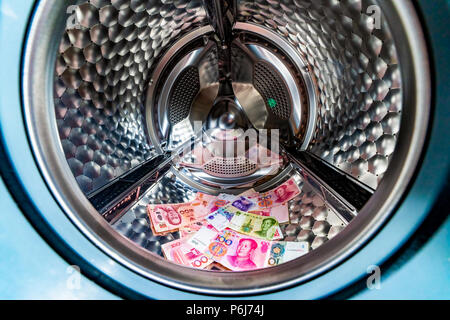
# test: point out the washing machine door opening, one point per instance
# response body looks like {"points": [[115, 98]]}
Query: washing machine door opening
{"points": [[135, 105]]}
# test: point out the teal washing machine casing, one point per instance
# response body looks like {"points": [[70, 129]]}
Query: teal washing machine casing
{"points": [[40, 246]]}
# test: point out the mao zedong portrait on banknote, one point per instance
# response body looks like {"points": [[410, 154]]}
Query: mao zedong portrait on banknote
{"points": [[283, 193], [266, 225], [243, 256]]}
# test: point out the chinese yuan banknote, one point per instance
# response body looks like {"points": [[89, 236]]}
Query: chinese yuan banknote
{"points": [[213, 203], [202, 238], [189, 230], [282, 251], [250, 194], [243, 203], [232, 250], [200, 209], [181, 252], [278, 196], [254, 225], [205, 198], [278, 235], [167, 218], [220, 219], [281, 213]]}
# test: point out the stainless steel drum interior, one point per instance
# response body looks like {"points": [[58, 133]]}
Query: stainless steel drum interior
{"points": [[109, 104]]}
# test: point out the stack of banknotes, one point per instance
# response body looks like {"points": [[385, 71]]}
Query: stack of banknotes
{"points": [[229, 232]]}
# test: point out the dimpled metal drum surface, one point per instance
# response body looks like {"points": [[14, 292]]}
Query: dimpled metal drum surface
{"points": [[135, 224], [311, 219], [357, 72], [103, 68], [102, 71]]}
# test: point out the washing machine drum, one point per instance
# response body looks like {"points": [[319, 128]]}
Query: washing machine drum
{"points": [[134, 103]]}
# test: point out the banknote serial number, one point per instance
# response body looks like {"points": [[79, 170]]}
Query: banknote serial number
{"points": [[240, 310]]}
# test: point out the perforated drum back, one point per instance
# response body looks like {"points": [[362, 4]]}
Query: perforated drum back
{"points": [[183, 93], [230, 167], [273, 89]]}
